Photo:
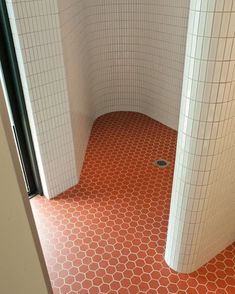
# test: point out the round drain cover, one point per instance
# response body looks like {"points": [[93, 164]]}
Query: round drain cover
{"points": [[161, 163]]}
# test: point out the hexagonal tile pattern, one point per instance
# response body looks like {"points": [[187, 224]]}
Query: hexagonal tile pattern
{"points": [[108, 233]]}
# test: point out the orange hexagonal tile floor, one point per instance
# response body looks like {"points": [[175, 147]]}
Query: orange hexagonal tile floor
{"points": [[108, 233]]}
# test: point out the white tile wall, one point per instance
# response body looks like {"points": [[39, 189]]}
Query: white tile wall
{"points": [[203, 204], [129, 55], [136, 56], [72, 21], [116, 55], [36, 32]]}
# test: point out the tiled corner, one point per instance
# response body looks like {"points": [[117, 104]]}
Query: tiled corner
{"points": [[81, 59], [76, 61], [136, 56]]}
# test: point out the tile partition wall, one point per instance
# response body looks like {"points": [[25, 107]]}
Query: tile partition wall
{"points": [[72, 22], [129, 55], [118, 55], [203, 204], [136, 52], [36, 32]]}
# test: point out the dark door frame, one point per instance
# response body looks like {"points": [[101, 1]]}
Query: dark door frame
{"points": [[21, 127]]}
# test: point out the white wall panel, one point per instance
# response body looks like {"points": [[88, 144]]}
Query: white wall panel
{"points": [[37, 37], [203, 204], [136, 56]]}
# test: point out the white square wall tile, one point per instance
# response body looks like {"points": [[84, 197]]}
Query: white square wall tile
{"points": [[210, 143], [28, 20]]}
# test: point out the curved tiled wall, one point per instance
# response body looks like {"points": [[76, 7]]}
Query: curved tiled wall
{"points": [[136, 51], [129, 55], [118, 55], [72, 24], [202, 207], [37, 38]]}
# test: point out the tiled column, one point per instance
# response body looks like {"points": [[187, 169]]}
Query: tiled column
{"points": [[37, 36], [202, 207]]}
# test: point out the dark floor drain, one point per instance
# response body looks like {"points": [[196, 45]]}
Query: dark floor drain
{"points": [[161, 163]]}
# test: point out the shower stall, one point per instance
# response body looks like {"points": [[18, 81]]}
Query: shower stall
{"points": [[80, 59]]}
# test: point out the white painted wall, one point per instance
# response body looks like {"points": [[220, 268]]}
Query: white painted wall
{"points": [[22, 267]]}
